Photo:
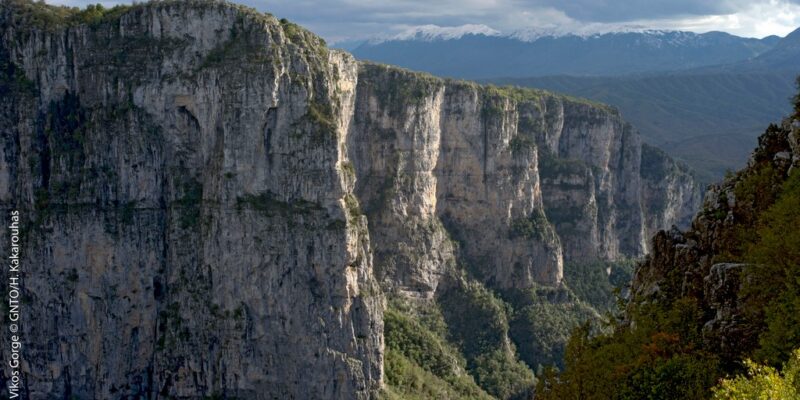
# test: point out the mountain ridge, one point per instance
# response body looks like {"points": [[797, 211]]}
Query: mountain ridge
{"points": [[671, 96], [536, 53], [433, 32]]}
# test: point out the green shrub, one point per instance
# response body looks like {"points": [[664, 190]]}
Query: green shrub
{"points": [[533, 226], [321, 113], [502, 375], [408, 381], [592, 284], [419, 362], [418, 344], [270, 205], [520, 144], [773, 285], [763, 382], [541, 322], [478, 324]]}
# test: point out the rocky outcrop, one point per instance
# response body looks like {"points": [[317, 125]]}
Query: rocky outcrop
{"points": [[214, 202], [694, 264]]}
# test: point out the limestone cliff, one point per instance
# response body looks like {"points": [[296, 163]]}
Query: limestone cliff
{"points": [[495, 170], [189, 228], [669, 192], [441, 160], [214, 202]]}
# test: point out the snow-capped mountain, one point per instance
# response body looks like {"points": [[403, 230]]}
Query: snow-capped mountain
{"points": [[435, 32], [478, 51]]}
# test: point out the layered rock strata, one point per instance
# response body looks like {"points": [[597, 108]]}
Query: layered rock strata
{"points": [[213, 202]]}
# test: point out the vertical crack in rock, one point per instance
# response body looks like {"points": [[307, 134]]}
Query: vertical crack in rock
{"points": [[215, 202]]}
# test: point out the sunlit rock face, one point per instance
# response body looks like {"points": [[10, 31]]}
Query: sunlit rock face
{"points": [[214, 203]]}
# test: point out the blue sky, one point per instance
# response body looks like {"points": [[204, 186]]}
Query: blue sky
{"points": [[338, 20]]}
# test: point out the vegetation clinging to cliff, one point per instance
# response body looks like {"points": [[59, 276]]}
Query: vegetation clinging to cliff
{"points": [[420, 363], [664, 348], [40, 15]]}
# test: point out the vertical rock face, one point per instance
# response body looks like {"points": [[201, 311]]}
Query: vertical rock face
{"points": [[605, 190], [442, 165], [669, 192], [395, 148], [190, 231], [591, 180], [209, 195], [495, 170]]}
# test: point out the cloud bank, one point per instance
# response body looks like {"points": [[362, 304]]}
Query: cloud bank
{"points": [[339, 20]]}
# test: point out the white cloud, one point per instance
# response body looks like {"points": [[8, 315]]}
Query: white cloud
{"points": [[757, 20], [338, 20]]}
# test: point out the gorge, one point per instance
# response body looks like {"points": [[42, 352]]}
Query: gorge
{"points": [[216, 204]]}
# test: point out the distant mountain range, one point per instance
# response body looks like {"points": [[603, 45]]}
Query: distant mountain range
{"points": [[476, 51], [708, 116], [784, 55], [703, 98]]}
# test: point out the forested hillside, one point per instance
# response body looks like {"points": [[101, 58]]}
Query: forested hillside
{"points": [[708, 299]]}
